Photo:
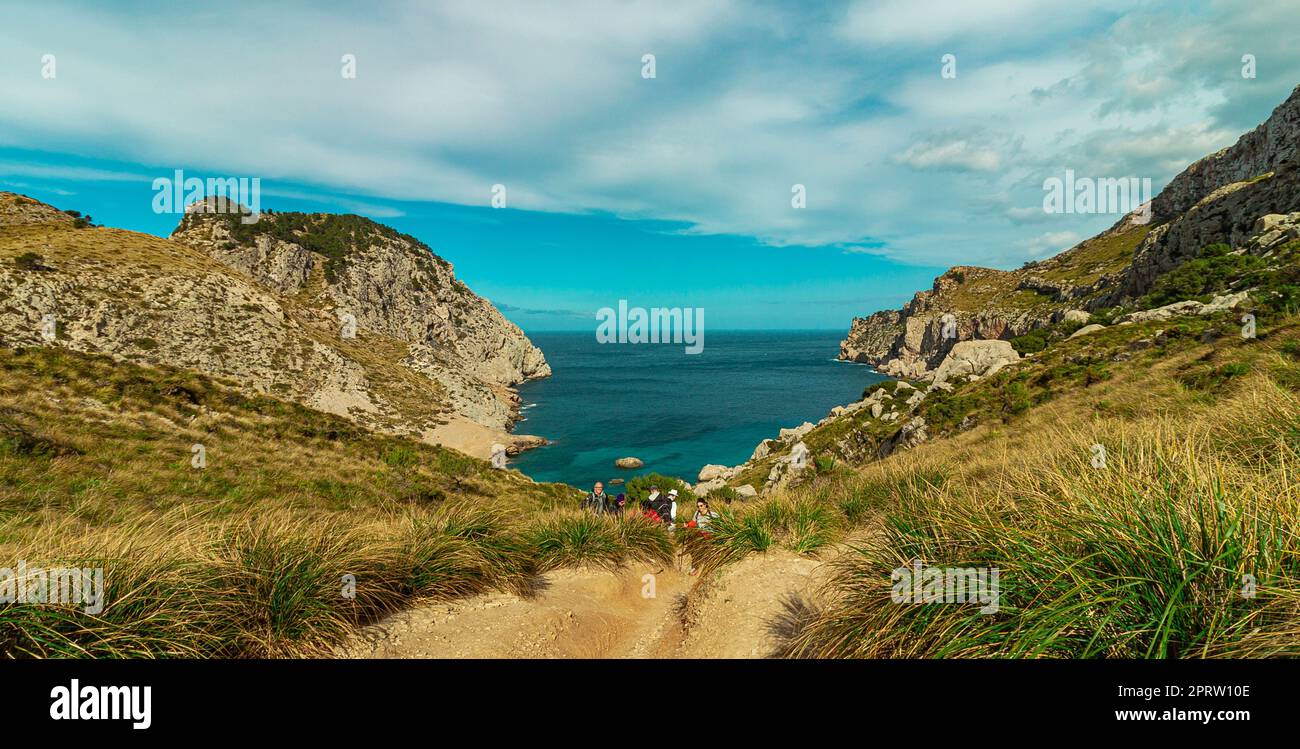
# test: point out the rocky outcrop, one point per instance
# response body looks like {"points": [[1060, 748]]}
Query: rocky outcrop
{"points": [[388, 338], [1223, 197], [910, 342], [975, 359], [1085, 330], [1221, 303]]}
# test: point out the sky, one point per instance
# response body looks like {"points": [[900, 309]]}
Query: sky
{"points": [[671, 189]]}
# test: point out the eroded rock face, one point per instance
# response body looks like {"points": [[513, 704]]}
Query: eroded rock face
{"points": [[391, 283], [260, 310], [975, 359], [1221, 198], [911, 342], [713, 471], [1220, 303]]}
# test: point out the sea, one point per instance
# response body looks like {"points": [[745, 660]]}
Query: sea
{"points": [[673, 410]]}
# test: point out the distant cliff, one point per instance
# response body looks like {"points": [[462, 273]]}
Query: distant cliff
{"points": [[273, 305], [1220, 198]]}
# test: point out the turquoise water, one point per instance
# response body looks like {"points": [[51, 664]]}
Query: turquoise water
{"points": [[672, 410]]}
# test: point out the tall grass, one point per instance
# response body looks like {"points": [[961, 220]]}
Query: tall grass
{"points": [[277, 585], [1185, 544], [301, 527]]}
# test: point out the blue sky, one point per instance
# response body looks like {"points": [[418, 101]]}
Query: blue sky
{"points": [[668, 191]]}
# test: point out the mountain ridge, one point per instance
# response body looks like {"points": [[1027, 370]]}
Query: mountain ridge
{"points": [[1218, 198], [265, 307]]}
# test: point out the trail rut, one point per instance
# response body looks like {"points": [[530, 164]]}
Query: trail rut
{"points": [[640, 611]]}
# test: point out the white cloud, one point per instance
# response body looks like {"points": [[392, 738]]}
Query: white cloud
{"points": [[1050, 243], [962, 155], [750, 99], [911, 22]]}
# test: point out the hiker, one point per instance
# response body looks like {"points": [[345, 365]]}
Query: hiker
{"points": [[671, 519], [651, 503], [598, 502], [703, 518], [659, 505], [646, 512], [703, 522]]}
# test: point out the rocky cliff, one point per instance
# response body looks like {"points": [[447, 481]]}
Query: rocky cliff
{"points": [[338, 312], [1219, 199]]}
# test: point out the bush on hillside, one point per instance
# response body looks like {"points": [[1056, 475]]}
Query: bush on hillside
{"points": [[638, 488]]}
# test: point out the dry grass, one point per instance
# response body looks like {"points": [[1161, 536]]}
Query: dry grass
{"points": [[248, 556], [1146, 557]]}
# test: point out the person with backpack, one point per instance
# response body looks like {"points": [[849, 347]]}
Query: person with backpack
{"points": [[660, 505], [671, 518], [598, 502]]}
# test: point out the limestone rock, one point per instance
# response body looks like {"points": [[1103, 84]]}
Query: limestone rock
{"points": [[256, 305], [1085, 330], [797, 433], [976, 358], [1187, 307]]}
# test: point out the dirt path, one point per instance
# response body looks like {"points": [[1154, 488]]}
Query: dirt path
{"points": [[638, 612]]}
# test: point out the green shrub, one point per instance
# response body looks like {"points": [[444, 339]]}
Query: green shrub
{"points": [[638, 488], [1214, 269]]}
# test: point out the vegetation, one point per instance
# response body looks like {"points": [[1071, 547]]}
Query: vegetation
{"points": [[248, 556], [1183, 542], [335, 236], [1040, 338], [638, 488], [1274, 281], [30, 261]]}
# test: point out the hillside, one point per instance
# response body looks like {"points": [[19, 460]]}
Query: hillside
{"points": [[249, 551], [264, 304], [1220, 199], [1224, 241]]}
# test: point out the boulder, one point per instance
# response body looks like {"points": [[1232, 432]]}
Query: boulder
{"points": [[1085, 330], [1221, 303], [797, 433], [976, 359], [1075, 315], [761, 451], [746, 491], [704, 487], [629, 463], [713, 471]]}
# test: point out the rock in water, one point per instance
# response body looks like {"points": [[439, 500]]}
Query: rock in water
{"points": [[629, 463]]}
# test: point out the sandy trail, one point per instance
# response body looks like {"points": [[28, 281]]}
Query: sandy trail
{"points": [[741, 611]]}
